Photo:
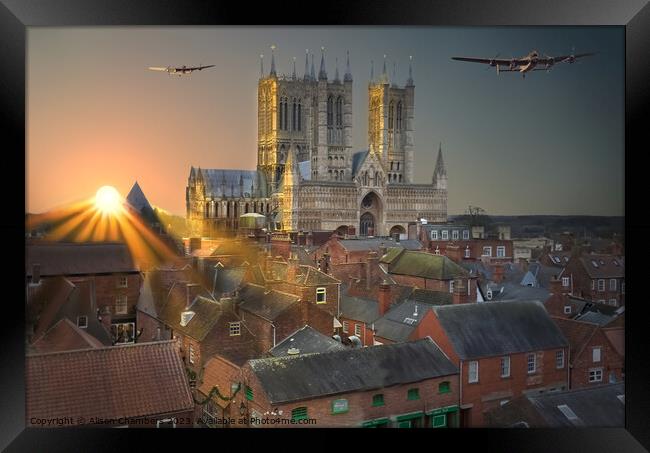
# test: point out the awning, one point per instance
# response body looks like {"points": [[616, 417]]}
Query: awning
{"points": [[409, 416], [375, 422], [442, 410]]}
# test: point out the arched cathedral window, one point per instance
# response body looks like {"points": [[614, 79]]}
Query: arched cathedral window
{"points": [[339, 111], [330, 111], [399, 116], [391, 115], [299, 114], [294, 112]]}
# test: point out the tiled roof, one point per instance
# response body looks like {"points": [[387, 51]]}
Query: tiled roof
{"points": [[306, 340], [304, 376], [267, 304], [79, 258], [65, 336], [425, 265], [359, 309], [207, 312], [605, 265], [122, 381], [363, 244], [489, 329]]}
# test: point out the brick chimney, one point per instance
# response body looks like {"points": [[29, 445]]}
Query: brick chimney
{"points": [[498, 276], [372, 267], [383, 298], [454, 253], [191, 291], [523, 264], [459, 296], [292, 268]]}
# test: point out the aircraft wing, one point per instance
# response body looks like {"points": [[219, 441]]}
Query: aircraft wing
{"points": [[156, 68], [566, 57], [198, 68], [496, 61]]}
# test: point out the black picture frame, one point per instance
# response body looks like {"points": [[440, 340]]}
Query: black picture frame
{"points": [[16, 15]]}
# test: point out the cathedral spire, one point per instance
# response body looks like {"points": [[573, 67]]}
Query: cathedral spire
{"points": [[322, 74], [272, 73], [409, 82], [384, 75], [372, 71], [261, 65], [348, 73], [306, 76], [394, 73], [439, 172], [336, 73], [293, 75], [312, 73], [291, 167]]}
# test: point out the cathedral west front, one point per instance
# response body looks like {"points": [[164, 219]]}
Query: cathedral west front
{"points": [[308, 176]]}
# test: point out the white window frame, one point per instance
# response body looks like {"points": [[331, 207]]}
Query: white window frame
{"points": [[594, 373], [567, 309], [468, 252], [489, 250], [613, 302], [346, 327], [593, 285], [501, 251], [465, 234], [612, 284], [122, 281], [451, 286], [454, 235], [79, 318], [472, 375], [596, 354], [559, 359], [565, 281], [505, 364], [534, 363], [601, 285], [323, 291], [234, 328], [445, 235], [357, 329], [191, 356], [434, 235], [118, 304]]}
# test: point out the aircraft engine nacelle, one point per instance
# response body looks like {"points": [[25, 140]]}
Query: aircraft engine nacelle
{"points": [[571, 59], [513, 64]]}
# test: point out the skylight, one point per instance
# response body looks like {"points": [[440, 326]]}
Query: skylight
{"points": [[410, 321], [186, 317], [594, 264], [568, 413]]}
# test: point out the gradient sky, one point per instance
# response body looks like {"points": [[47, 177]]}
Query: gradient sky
{"points": [[548, 144]]}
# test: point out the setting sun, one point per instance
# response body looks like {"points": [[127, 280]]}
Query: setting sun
{"points": [[108, 200]]}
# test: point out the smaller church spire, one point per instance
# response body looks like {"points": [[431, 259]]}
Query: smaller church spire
{"points": [[384, 75], [291, 167], [348, 73], [372, 71], [312, 72], [409, 82], [261, 65], [336, 73], [394, 73], [439, 172], [322, 74], [293, 75], [272, 73], [306, 76]]}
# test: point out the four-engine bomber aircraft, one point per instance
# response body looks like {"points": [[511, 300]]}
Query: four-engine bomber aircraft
{"points": [[531, 62], [180, 70]]}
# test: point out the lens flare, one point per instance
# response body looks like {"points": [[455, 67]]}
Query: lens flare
{"points": [[108, 200]]}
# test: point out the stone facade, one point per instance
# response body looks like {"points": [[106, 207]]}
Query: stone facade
{"points": [[308, 177]]}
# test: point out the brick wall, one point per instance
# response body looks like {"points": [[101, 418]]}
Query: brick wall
{"points": [[610, 362], [107, 290]]}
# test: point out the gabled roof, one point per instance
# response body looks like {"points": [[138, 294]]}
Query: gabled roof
{"points": [[490, 329], [138, 200], [359, 309], [603, 266], [267, 304], [600, 314], [305, 376], [357, 160], [306, 275], [65, 336], [121, 381], [306, 340], [226, 183], [402, 319], [87, 258], [363, 244], [207, 312], [577, 333], [425, 265]]}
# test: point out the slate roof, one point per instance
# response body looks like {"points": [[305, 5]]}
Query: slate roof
{"points": [[307, 275], [514, 291], [60, 258], [121, 381], [307, 340], [490, 329], [226, 183], [267, 304], [305, 376], [425, 265], [138, 200], [600, 314], [207, 312], [359, 309], [606, 266], [359, 245], [429, 296], [65, 336], [401, 320], [357, 160]]}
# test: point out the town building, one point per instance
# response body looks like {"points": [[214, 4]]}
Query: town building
{"points": [[598, 278]]}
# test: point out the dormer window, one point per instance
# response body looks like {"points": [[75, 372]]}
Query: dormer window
{"points": [[186, 317], [122, 281], [235, 328], [82, 322], [321, 295]]}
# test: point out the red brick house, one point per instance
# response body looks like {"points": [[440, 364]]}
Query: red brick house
{"points": [[461, 243], [109, 386], [593, 359], [355, 250], [503, 350], [403, 385], [598, 278]]}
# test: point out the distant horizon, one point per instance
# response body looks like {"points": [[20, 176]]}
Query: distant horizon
{"points": [[550, 143]]}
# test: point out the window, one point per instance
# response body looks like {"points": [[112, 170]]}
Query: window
{"points": [[454, 234], [467, 252], [123, 333], [121, 304], [434, 235], [567, 309], [601, 285], [357, 330], [612, 302], [595, 354], [191, 354], [440, 421], [451, 286], [413, 394], [299, 413], [601, 301], [559, 359], [444, 387], [593, 285], [612, 284], [473, 372], [391, 115], [321, 296], [345, 326], [487, 251], [568, 413], [235, 328], [465, 234], [82, 322], [505, 366], [122, 281], [445, 234], [399, 116], [378, 400], [166, 423], [249, 393], [565, 281], [501, 251], [531, 363], [596, 375]]}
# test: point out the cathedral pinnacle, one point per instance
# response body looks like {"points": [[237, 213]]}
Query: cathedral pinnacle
{"points": [[336, 73], [440, 173], [384, 75], [262, 65], [394, 73], [272, 73], [293, 75], [322, 74], [306, 76], [312, 73], [409, 82], [348, 73], [372, 71]]}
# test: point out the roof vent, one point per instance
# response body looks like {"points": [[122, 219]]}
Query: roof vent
{"points": [[186, 317], [293, 351], [489, 294]]}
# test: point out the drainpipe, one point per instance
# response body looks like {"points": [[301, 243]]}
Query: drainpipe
{"points": [[273, 325]]}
